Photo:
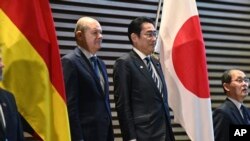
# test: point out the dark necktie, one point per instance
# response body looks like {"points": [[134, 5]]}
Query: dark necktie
{"points": [[245, 114], [93, 60], [153, 74]]}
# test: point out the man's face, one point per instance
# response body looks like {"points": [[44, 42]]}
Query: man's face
{"points": [[93, 37], [238, 87], [146, 42]]}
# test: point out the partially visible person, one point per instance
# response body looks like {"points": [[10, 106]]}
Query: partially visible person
{"points": [[87, 87], [10, 123], [232, 111], [140, 89]]}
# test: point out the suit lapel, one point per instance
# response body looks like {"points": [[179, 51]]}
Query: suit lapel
{"points": [[159, 71], [85, 62], [235, 112], [5, 113], [105, 77], [237, 115], [140, 65]]}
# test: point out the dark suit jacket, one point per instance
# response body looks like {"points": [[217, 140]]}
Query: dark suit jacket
{"points": [[88, 105], [13, 130], [224, 116], [142, 112]]}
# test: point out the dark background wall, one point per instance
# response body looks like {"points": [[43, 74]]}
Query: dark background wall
{"points": [[225, 25]]}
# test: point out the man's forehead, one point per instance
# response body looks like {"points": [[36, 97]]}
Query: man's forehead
{"points": [[148, 27], [95, 26], [237, 73]]}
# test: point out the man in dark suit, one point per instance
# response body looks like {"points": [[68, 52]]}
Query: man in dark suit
{"points": [[87, 87], [10, 124], [140, 89], [232, 111]]}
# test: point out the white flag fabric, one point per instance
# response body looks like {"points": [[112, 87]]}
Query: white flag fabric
{"points": [[183, 59]]}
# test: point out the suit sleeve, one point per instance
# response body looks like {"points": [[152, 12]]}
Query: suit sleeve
{"points": [[16, 122], [72, 91], [221, 125], [122, 91]]}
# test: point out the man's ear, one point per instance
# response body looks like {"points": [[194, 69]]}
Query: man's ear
{"points": [[79, 35], [134, 37], [226, 86]]}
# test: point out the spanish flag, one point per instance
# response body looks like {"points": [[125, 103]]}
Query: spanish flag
{"points": [[32, 69]]}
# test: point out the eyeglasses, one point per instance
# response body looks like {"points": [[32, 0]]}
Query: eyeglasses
{"points": [[151, 34], [240, 80]]}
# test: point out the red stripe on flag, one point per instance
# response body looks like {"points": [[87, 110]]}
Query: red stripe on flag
{"points": [[40, 32], [189, 58]]}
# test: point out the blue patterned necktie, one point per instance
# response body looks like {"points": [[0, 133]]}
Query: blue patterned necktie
{"points": [[93, 60], [153, 74]]}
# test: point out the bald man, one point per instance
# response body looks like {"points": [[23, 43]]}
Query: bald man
{"points": [[87, 87]]}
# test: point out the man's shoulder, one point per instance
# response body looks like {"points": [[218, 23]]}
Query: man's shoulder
{"points": [[5, 94], [4, 91], [225, 107], [124, 61], [125, 57], [70, 54]]}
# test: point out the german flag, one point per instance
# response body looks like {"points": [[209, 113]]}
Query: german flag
{"points": [[32, 69]]}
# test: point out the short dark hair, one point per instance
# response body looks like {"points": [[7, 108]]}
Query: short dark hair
{"points": [[136, 26]]}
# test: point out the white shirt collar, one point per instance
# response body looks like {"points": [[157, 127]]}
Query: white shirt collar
{"points": [[86, 53], [142, 55]]}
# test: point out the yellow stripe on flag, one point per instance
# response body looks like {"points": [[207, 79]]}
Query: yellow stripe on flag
{"points": [[27, 77]]}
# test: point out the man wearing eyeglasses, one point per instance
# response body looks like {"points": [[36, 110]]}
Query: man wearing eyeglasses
{"points": [[232, 111], [140, 89]]}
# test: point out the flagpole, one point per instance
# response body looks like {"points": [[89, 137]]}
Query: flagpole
{"points": [[156, 53], [158, 14]]}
